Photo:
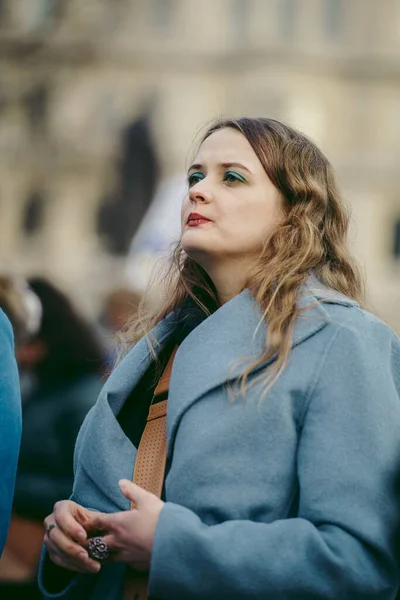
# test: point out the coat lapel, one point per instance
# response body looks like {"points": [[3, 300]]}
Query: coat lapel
{"points": [[214, 352], [130, 370], [106, 445]]}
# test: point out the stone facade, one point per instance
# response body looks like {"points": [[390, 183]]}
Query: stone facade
{"points": [[73, 74]]}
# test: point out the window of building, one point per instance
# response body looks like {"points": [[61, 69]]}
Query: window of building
{"points": [[56, 8], [33, 215], [241, 10], [334, 18], [396, 244], [162, 12], [35, 15], [287, 17], [36, 103], [2, 12], [3, 100]]}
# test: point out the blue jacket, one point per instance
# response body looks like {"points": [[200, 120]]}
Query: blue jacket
{"points": [[293, 497], [10, 424]]}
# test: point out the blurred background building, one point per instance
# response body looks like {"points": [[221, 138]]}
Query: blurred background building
{"points": [[100, 101]]}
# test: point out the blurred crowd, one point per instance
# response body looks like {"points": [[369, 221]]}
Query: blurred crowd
{"points": [[63, 361]]}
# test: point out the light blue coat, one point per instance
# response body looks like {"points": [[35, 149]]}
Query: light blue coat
{"points": [[10, 424], [296, 497]]}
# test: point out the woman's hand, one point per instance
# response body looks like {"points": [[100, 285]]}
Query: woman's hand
{"points": [[129, 534], [63, 541]]}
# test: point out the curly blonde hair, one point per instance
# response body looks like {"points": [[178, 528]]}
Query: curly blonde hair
{"points": [[312, 238]]}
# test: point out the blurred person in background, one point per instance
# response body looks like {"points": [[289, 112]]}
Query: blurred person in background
{"points": [[22, 307], [10, 400], [120, 306], [63, 362], [282, 444]]}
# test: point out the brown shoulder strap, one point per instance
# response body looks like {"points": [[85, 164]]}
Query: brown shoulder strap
{"points": [[149, 469], [152, 452], [163, 383]]}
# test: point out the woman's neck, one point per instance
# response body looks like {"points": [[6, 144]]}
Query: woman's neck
{"points": [[229, 278]]}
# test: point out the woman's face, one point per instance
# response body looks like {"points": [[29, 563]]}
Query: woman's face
{"points": [[230, 189]]}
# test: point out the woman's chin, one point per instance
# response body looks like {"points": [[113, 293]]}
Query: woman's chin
{"points": [[196, 251], [193, 241]]}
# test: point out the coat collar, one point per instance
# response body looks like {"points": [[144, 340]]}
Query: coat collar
{"points": [[214, 352], [211, 355]]}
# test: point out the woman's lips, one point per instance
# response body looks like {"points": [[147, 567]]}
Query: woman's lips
{"points": [[197, 222], [195, 219]]}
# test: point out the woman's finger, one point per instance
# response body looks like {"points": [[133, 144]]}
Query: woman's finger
{"points": [[70, 564], [60, 561], [69, 516], [56, 537], [68, 551], [98, 521]]}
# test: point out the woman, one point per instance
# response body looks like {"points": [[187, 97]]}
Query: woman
{"points": [[283, 411]]}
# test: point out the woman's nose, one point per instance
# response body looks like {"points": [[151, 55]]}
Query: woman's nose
{"points": [[199, 193]]}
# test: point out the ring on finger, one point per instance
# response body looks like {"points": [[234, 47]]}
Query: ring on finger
{"points": [[49, 529], [98, 549]]}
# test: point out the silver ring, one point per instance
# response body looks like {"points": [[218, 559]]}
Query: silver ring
{"points": [[98, 549], [49, 529]]}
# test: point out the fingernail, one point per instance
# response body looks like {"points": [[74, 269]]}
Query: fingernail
{"points": [[81, 536], [96, 567]]}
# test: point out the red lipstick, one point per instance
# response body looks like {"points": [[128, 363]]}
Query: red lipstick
{"points": [[195, 219]]}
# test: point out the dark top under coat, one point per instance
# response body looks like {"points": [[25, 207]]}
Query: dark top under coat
{"points": [[133, 415]]}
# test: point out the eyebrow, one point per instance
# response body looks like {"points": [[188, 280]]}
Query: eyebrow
{"points": [[225, 165]]}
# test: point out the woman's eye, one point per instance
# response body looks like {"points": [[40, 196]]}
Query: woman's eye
{"points": [[195, 178], [232, 177]]}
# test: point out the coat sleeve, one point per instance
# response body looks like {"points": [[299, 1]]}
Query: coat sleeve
{"points": [[10, 424], [54, 581], [342, 542]]}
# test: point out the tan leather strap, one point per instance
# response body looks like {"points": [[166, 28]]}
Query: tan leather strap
{"points": [[149, 469], [152, 452]]}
